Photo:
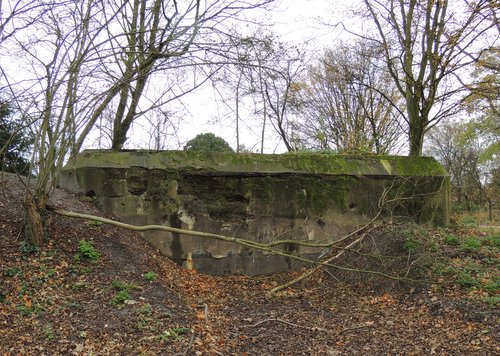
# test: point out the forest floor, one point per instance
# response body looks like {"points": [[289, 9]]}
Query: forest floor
{"points": [[100, 290]]}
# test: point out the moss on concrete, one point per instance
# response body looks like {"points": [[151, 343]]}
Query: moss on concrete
{"points": [[230, 163], [304, 196]]}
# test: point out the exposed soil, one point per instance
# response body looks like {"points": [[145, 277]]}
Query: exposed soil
{"points": [[52, 303]]}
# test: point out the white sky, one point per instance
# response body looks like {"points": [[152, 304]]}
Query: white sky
{"points": [[296, 22], [304, 21]]}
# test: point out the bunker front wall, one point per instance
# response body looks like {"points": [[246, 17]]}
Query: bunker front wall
{"points": [[316, 198]]}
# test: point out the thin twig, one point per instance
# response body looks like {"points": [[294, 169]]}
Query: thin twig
{"points": [[354, 328], [328, 261], [243, 242], [186, 351], [314, 328]]}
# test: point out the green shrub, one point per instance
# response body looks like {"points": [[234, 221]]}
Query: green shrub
{"points": [[3, 297], [492, 301], [208, 142], [412, 245], [120, 297], [48, 332], [86, 252], [466, 280], [12, 271], [144, 316], [16, 139], [471, 244], [150, 276], [123, 291], [469, 221], [173, 333], [119, 285], [28, 248], [492, 241], [493, 286], [451, 240]]}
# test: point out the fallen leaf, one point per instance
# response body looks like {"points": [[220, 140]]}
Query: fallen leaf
{"points": [[200, 314]]}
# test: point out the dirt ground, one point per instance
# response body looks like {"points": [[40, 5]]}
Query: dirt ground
{"points": [[132, 300]]}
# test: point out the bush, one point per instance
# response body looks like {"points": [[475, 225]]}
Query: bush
{"points": [[451, 240], [15, 142], [471, 244], [208, 142], [86, 252], [150, 276]]}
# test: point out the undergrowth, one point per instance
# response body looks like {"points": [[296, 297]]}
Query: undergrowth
{"points": [[457, 257]]}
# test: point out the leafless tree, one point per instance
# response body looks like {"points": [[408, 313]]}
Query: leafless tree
{"points": [[267, 71], [281, 87], [162, 127], [426, 44], [346, 102], [13, 10], [484, 93], [449, 143], [276, 71], [86, 56]]}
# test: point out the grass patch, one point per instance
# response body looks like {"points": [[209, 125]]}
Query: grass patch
{"points": [[71, 305], [29, 310], [121, 297], [144, 318], [120, 285], [455, 257], [492, 301], [122, 292], [28, 248], [451, 240], [150, 276], [492, 241], [12, 272], [94, 224], [471, 245], [48, 332], [79, 285], [173, 334], [3, 297], [412, 245], [469, 221]]}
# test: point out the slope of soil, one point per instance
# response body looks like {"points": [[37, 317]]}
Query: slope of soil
{"points": [[131, 300]]}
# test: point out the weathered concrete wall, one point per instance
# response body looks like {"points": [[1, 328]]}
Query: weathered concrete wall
{"points": [[309, 197]]}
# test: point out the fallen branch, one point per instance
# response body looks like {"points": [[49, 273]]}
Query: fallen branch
{"points": [[328, 261], [246, 242], [186, 351], [368, 325], [313, 328], [243, 242]]}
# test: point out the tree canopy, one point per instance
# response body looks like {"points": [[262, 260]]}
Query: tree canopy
{"points": [[426, 44], [15, 142], [208, 142]]}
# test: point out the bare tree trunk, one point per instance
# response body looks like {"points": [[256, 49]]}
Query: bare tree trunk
{"points": [[263, 129], [33, 225], [416, 137], [238, 112]]}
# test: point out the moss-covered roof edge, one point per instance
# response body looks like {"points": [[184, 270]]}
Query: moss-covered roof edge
{"points": [[230, 162]]}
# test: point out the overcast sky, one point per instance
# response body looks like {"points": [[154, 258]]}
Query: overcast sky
{"points": [[305, 21], [312, 20]]}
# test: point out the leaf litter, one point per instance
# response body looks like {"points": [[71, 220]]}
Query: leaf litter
{"points": [[52, 303]]}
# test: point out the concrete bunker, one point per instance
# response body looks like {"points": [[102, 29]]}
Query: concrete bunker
{"points": [[315, 197]]}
